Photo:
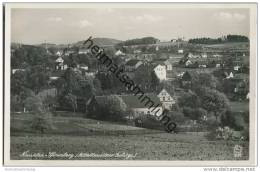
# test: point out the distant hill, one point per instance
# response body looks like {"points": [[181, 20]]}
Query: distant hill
{"points": [[100, 42], [139, 41]]}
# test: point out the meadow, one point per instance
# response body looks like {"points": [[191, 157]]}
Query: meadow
{"points": [[76, 135]]}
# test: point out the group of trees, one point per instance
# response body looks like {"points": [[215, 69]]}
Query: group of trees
{"points": [[228, 38], [139, 41], [204, 98], [72, 85], [34, 66], [111, 108]]}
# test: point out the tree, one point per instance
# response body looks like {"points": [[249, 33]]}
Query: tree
{"points": [[34, 104], [42, 119], [18, 82], [42, 122], [72, 101], [37, 78], [194, 114], [204, 80], [189, 99], [214, 101], [154, 81], [112, 108]]}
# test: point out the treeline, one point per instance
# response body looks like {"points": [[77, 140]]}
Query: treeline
{"points": [[224, 39], [139, 41]]}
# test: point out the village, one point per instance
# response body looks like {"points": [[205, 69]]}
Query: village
{"points": [[171, 69], [203, 87]]}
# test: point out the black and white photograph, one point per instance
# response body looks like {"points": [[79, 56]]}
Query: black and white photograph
{"points": [[130, 84]]}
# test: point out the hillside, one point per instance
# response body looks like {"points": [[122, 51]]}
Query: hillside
{"points": [[100, 42]]}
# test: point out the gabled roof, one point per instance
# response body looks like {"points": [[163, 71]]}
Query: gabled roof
{"points": [[132, 101], [132, 62], [59, 60], [171, 93], [186, 76]]}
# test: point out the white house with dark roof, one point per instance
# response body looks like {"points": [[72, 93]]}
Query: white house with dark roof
{"points": [[160, 71]]}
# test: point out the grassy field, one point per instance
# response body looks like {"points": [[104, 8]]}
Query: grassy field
{"points": [[75, 135], [237, 45]]}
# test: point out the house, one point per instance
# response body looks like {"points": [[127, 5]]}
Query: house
{"points": [[186, 80], [56, 75], [175, 59], [139, 108], [160, 71], [91, 72], [58, 53], [204, 55], [119, 53], [16, 70], [137, 51], [237, 67], [133, 102], [217, 55], [68, 52], [83, 51], [132, 65], [166, 99], [188, 62], [168, 65], [193, 55], [83, 67], [165, 62], [60, 64], [229, 75], [248, 96], [180, 51]]}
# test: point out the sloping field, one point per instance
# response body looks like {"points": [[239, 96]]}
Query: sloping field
{"points": [[76, 126], [231, 45], [78, 136]]}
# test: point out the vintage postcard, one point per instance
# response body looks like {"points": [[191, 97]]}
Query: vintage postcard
{"points": [[130, 84]]}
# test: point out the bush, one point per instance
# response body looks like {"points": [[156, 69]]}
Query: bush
{"points": [[234, 120], [194, 114], [221, 133], [148, 122], [42, 122]]}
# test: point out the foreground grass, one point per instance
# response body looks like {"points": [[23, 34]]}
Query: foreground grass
{"points": [[146, 147], [74, 135]]}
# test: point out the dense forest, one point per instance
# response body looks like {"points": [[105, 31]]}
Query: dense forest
{"points": [[145, 40], [225, 39]]}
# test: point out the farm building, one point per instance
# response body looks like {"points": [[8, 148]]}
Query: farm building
{"points": [[166, 99], [132, 65], [148, 104]]}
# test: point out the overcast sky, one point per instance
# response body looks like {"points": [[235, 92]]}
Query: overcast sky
{"points": [[34, 26]]}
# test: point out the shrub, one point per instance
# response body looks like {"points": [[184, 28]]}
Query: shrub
{"points": [[42, 122], [194, 114], [224, 133], [234, 120]]}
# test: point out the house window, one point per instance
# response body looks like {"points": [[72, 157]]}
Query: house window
{"points": [[163, 98]]}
